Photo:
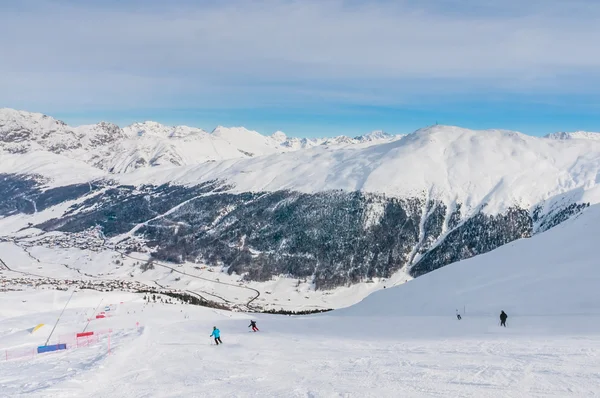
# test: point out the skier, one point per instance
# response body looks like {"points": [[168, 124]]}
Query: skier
{"points": [[503, 317], [216, 333], [458, 315], [253, 325]]}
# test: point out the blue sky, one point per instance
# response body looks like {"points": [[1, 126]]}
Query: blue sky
{"points": [[308, 68]]}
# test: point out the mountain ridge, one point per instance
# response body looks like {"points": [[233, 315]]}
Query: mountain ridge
{"points": [[109, 147], [335, 214], [575, 135]]}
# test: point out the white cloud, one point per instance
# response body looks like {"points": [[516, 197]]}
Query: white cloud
{"points": [[264, 52]]}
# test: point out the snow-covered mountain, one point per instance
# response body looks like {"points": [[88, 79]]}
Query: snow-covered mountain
{"points": [[336, 212], [375, 136], [548, 285], [495, 168], [552, 274], [120, 150], [576, 135], [483, 220]]}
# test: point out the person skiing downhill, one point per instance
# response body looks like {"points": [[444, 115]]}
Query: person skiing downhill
{"points": [[216, 333], [458, 315], [253, 325], [503, 317]]}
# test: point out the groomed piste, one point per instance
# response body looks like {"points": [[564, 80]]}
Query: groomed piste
{"points": [[404, 341]]}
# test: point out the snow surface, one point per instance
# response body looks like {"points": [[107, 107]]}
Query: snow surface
{"points": [[554, 273], [402, 341], [57, 170]]}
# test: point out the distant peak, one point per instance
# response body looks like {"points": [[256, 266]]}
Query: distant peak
{"points": [[575, 135], [107, 124], [18, 114], [373, 136], [147, 123], [279, 136], [221, 130]]}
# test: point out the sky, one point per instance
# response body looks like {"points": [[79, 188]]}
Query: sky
{"points": [[306, 67]]}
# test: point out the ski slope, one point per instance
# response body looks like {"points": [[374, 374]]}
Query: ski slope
{"points": [[402, 341], [555, 273]]}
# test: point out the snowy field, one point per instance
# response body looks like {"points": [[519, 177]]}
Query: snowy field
{"points": [[277, 293], [398, 342], [331, 355]]}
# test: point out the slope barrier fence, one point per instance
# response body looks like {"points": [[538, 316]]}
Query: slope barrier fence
{"points": [[68, 341]]}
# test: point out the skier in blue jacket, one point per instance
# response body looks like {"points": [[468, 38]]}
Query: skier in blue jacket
{"points": [[217, 335]]}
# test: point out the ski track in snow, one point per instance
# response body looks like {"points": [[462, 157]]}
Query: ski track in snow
{"points": [[398, 342], [313, 357], [267, 366]]}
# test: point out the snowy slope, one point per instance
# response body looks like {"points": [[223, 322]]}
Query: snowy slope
{"points": [[402, 341], [496, 168], [554, 273], [55, 169]]}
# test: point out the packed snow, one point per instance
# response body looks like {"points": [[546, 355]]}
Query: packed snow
{"points": [[402, 341]]}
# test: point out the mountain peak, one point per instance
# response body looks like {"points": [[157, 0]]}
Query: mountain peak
{"points": [[232, 130], [279, 136], [149, 143], [151, 128], [375, 135], [29, 119], [575, 135]]}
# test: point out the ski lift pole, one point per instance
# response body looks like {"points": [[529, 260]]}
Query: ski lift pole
{"points": [[58, 319], [95, 309]]}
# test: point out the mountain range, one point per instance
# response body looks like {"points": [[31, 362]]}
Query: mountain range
{"points": [[335, 212], [120, 150]]}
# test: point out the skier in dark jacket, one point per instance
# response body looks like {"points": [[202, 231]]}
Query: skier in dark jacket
{"points": [[253, 325], [503, 317], [458, 315]]}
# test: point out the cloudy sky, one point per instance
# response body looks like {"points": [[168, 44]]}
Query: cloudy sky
{"points": [[306, 67]]}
